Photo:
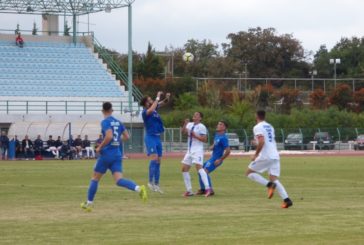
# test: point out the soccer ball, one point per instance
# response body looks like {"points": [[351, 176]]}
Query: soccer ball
{"points": [[188, 57]]}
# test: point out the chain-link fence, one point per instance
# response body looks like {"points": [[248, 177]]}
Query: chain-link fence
{"points": [[239, 139], [287, 139]]}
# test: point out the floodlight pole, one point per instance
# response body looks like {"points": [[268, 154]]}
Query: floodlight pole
{"points": [[74, 29], [130, 58]]}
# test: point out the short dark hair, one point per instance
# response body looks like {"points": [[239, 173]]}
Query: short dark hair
{"points": [[106, 106], [201, 114], [261, 114], [225, 123], [144, 100]]}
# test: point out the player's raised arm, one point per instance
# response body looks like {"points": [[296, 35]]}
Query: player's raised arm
{"points": [[155, 103], [165, 100]]}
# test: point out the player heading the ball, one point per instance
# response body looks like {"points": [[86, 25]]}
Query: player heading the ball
{"points": [[197, 136], [153, 125]]}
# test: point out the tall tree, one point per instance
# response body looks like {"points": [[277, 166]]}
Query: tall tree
{"points": [[351, 53], [266, 53], [152, 65]]}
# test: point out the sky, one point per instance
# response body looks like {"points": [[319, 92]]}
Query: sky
{"points": [[167, 23]]}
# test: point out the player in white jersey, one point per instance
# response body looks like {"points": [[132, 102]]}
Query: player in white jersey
{"points": [[266, 158], [197, 136]]}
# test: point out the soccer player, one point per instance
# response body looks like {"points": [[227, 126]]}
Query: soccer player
{"points": [[197, 135], [266, 158], [220, 151], [154, 128], [110, 157]]}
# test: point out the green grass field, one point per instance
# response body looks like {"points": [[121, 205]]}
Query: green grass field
{"points": [[40, 204]]}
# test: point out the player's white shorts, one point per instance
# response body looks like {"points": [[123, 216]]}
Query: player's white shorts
{"points": [[273, 166], [193, 158]]}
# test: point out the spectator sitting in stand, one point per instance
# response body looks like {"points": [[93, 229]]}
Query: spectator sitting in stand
{"points": [[19, 41], [58, 144], [98, 142], [27, 147], [78, 146], [51, 143], [38, 147], [17, 146], [66, 151], [86, 144], [4, 145], [71, 144]]}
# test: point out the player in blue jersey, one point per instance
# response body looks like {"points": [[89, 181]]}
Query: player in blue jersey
{"points": [[220, 151], [110, 157], [153, 129]]}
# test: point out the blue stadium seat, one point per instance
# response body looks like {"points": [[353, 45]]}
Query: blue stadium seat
{"points": [[52, 69]]}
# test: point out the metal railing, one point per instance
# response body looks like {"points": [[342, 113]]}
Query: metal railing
{"points": [[30, 32], [116, 69], [59, 107]]}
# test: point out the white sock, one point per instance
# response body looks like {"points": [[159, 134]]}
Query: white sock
{"points": [[204, 178], [258, 178], [187, 180], [137, 188], [280, 189], [89, 202]]}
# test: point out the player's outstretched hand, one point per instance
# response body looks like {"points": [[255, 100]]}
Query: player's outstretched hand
{"points": [[159, 94], [168, 95]]}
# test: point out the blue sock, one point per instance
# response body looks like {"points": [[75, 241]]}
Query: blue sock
{"points": [[151, 170], [126, 184], [209, 179], [157, 173], [202, 186], [92, 190]]}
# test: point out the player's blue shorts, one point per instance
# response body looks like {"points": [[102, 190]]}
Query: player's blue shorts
{"points": [[112, 162], [153, 144], [210, 166]]}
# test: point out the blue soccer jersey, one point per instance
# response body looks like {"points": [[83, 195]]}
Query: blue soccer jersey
{"points": [[113, 147], [153, 123], [221, 142], [111, 154]]}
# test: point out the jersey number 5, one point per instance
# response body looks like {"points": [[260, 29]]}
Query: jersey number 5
{"points": [[116, 134]]}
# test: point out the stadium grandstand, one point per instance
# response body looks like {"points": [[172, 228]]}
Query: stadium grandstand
{"points": [[55, 84]]}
